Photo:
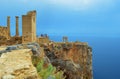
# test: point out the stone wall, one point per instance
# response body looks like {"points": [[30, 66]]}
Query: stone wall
{"points": [[4, 32], [43, 40]]}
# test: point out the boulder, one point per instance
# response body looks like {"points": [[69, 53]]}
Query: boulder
{"points": [[17, 64]]}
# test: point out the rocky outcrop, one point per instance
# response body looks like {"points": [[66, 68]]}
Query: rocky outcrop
{"points": [[74, 58], [16, 63]]}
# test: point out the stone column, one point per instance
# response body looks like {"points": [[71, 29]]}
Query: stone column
{"points": [[8, 25], [17, 26]]}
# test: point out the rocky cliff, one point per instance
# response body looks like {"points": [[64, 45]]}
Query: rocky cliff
{"points": [[46, 61], [74, 58]]}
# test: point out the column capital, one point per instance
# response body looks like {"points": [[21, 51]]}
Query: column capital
{"points": [[8, 16], [17, 16]]}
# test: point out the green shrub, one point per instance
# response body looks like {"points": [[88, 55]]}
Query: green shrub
{"points": [[40, 66], [47, 72]]}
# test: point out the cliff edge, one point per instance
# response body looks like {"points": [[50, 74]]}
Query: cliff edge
{"points": [[46, 61]]}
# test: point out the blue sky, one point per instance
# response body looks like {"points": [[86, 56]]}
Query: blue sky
{"points": [[67, 17]]}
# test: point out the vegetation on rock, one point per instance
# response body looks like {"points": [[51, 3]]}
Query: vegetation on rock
{"points": [[47, 72]]}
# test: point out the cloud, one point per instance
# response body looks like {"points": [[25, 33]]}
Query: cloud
{"points": [[81, 4]]}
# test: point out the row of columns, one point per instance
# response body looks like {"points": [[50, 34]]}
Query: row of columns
{"points": [[17, 25]]}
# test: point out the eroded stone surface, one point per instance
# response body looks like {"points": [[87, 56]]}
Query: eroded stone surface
{"points": [[17, 63]]}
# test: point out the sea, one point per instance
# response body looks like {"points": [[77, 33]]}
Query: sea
{"points": [[106, 54]]}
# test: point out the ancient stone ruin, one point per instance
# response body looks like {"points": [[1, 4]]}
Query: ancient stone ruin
{"points": [[29, 27], [5, 30], [28, 31], [74, 59]]}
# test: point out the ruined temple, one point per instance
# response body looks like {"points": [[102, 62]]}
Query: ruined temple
{"points": [[73, 58], [5, 30], [28, 29]]}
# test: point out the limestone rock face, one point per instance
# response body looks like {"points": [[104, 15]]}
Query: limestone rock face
{"points": [[74, 58], [17, 64]]}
